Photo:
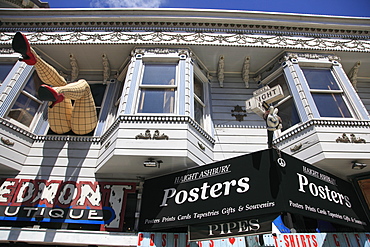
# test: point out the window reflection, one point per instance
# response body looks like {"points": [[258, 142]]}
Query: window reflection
{"points": [[4, 71], [326, 93], [158, 88], [331, 105], [157, 101], [26, 105]]}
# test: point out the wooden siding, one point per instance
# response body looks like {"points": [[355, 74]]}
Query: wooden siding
{"points": [[233, 137]]}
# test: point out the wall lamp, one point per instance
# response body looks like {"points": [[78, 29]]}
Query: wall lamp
{"points": [[358, 166], [152, 163]]}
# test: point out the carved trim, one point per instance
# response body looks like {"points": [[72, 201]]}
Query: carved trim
{"points": [[121, 119], [106, 68], [322, 123], [239, 113], [158, 136], [353, 74], [245, 71], [344, 138], [156, 119], [255, 40], [180, 26], [220, 70], [7, 141], [355, 139], [146, 136], [74, 67]]}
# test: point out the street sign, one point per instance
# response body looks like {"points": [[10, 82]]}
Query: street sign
{"points": [[265, 94]]}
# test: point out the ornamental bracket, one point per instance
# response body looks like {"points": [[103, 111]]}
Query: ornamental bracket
{"points": [[220, 72]]}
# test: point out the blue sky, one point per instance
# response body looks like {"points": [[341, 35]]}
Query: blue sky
{"points": [[359, 8]]}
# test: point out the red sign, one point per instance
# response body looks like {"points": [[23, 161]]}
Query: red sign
{"points": [[82, 202]]}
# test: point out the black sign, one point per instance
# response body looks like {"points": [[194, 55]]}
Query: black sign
{"points": [[256, 184], [253, 225]]}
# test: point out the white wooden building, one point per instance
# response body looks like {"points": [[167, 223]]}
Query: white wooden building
{"points": [[213, 61]]}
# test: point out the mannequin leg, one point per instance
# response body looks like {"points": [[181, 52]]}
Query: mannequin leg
{"points": [[84, 118], [47, 73], [59, 116]]}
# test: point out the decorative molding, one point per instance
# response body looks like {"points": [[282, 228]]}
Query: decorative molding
{"points": [[74, 67], [146, 136], [344, 138], [156, 119], [355, 139], [7, 141], [241, 126], [201, 146], [239, 113], [352, 139], [322, 123], [6, 51], [313, 56], [220, 71], [173, 26], [106, 68], [353, 74], [221, 39], [245, 71], [158, 136]]}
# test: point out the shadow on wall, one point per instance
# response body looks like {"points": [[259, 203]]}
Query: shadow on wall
{"points": [[63, 159]]}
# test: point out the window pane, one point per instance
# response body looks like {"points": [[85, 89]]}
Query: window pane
{"points": [[4, 71], [198, 88], [33, 84], [331, 105], [157, 101], [159, 74], [320, 79], [198, 114], [288, 114], [24, 110]]}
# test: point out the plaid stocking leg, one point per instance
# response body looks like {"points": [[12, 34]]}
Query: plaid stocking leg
{"points": [[47, 73], [84, 118]]}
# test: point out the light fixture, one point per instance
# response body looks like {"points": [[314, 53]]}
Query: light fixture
{"points": [[358, 166], [152, 163]]}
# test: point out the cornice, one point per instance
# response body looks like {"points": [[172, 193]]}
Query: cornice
{"points": [[173, 20], [181, 38]]}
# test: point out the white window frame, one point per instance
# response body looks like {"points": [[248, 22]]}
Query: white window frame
{"points": [[301, 91], [207, 120], [148, 86], [339, 91], [39, 111]]}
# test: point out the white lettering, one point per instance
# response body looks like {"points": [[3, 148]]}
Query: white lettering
{"points": [[206, 191], [324, 192]]}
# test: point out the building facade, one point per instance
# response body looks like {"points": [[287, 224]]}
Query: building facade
{"points": [[174, 89]]}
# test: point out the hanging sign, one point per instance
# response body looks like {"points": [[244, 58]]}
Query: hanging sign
{"points": [[253, 225], [264, 94], [246, 187]]}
